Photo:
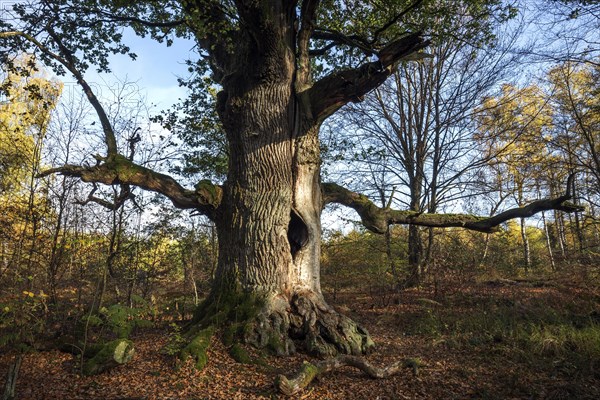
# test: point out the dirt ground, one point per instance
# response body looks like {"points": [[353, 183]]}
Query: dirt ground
{"points": [[449, 369]]}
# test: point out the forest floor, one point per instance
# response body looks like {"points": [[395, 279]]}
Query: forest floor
{"points": [[496, 340]]}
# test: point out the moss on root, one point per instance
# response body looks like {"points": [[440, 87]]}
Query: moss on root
{"points": [[276, 346], [228, 307], [197, 348], [240, 354], [303, 377], [230, 312], [273, 323], [109, 355], [230, 334]]}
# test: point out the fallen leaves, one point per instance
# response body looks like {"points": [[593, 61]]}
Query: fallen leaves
{"points": [[446, 372]]}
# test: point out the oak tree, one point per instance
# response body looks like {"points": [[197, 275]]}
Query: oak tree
{"points": [[275, 91]]}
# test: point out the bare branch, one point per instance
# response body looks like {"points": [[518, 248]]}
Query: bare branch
{"points": [[378, 219], [117, 169], [123, 18], [120, 200], [66, 59], [394, 20], [339, 38]]}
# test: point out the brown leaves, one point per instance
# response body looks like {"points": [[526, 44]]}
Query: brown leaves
{"points": [[448, 368]]}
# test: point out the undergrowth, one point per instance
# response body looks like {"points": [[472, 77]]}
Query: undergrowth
{"points": [[535, 331]]}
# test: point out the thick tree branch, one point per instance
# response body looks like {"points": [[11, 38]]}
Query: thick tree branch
{"points": [[309, 371], [378, 219], [307, 26], [119, 170], [367, 46], [333, 91]]}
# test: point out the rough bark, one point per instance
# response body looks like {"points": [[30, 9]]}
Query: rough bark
{"points": [[268, 219]]}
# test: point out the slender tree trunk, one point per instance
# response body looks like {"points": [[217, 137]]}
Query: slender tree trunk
{"points": [[526, 249], [559, 226], [486, 248], [390, 257], [548, 243], [415, 243], [415, 255], [58, 241], [547, 235], [578, 225]]}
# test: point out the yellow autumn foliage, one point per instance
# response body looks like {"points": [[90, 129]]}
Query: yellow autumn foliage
{"points": [[29, 96]]}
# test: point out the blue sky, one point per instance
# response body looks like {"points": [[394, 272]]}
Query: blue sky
{"points": [[155, 70]]}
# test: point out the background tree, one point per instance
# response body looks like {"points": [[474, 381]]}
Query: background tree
{"points": [[30, 98], [421, 120], [576, 119], [515, 131]]}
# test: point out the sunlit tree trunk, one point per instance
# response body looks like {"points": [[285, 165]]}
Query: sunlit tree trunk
{"points": [[526, 249], [548, 243]]}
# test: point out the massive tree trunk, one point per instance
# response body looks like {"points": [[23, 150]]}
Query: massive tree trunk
{"points": [[268, 220], [267, 213], [269, 226]]}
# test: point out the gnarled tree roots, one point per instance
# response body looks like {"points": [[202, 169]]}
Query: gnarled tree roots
{"points": [[306, 320], [280, 325], [309, 371]]}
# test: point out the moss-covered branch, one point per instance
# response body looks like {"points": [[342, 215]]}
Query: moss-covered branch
{"points": [[117, 169], [377, 219], [309, 371]]}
